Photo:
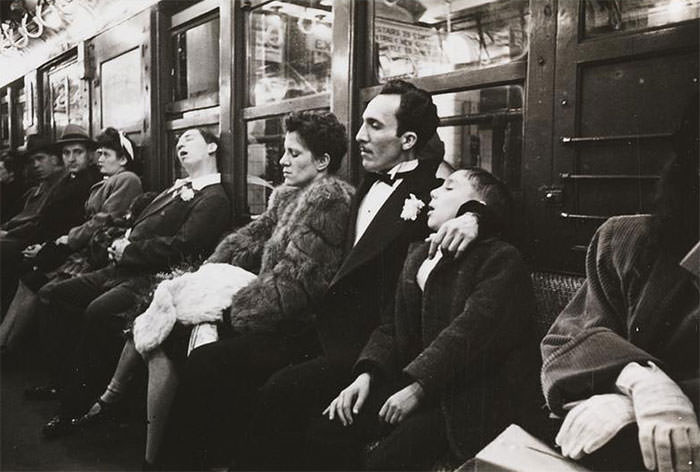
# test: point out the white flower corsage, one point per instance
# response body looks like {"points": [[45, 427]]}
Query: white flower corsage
{"points": [[411, 207], [186, 193]]}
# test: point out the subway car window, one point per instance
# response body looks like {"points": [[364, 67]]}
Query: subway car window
{"points": [[429, 37], [484, 128], [195, 69], [611, 16], [289, 50], [68, 98], [122, 93]]}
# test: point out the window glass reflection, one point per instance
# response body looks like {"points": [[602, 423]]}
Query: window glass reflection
{"points": [[265, 147], [483, 128], [610, 16], [416, 38], [196, 64], [68, 98], [289, 50]]}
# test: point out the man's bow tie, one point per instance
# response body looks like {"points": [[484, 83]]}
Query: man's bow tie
{"points": [[386, 178]]}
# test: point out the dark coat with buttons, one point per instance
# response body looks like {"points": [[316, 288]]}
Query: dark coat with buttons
{"points": [[637, 305], [468, 338]]}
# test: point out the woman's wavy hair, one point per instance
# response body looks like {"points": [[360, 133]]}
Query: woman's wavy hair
{"points": [[677, 193], [322, 133]]}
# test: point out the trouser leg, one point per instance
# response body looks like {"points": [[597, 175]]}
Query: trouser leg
{"points": [[61, 316], [97, 352], [218, 384], [286, 403]]}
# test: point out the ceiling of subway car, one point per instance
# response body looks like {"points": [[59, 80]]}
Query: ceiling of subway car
{"points": [[34, 31]]}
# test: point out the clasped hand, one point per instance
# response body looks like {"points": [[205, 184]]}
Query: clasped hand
{"points": [[669, 435], [116, 250], [350, 400], [30, 252], [592, 423]]}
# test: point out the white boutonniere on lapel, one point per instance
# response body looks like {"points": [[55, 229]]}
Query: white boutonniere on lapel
{"points": [[186, 193], [411, 208]]}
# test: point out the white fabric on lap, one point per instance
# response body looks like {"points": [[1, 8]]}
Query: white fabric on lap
{"points": [[190, 299]]}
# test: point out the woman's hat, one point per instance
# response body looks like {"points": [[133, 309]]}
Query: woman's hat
{"points": [[75, 134]]}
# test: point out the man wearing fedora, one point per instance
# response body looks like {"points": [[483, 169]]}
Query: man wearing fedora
{"points": [[53, 207]]}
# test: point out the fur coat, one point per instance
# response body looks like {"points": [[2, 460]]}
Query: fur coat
{"points": [[296, 247]]}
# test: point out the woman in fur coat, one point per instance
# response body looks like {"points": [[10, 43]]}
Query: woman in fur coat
{"points": [[295, 248]]}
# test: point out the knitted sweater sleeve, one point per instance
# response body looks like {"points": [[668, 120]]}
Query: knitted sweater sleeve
{"points": [[284, 294]]}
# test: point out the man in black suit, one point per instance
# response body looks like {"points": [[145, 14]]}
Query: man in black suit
{"points": [[87, 314], [388, 214], [54, 207]]}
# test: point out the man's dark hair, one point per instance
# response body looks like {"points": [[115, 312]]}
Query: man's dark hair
{"points": [[322, 133], [495, 195], [209, 138], [416, 112], [677, 193]]}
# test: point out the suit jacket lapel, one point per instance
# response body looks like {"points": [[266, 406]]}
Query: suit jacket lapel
{"points": [[387, 223], [158, 203], [666, 279]]}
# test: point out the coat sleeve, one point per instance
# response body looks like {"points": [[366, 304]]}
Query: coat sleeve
{"points": [[206, 221], [586, 347], [287, 292], [500, 301], [125, 188], [244, 247]]}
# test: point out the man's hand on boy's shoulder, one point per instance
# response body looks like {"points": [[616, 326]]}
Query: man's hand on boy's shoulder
{"points": [[455, 235]]}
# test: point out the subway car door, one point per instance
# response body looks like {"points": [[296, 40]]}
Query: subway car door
{"points": [[121, 86], [624, 73]]}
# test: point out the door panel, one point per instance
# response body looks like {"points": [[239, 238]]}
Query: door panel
{"points": [[617, 101]]}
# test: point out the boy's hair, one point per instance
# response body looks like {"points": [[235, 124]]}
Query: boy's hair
{"points": [[494, 193], [416, 111]]}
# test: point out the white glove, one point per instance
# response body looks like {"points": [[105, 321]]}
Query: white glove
{"points": [[594, 422], [669, 436]]}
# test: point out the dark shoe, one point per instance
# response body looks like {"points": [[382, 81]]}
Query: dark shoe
{"points": [[58, 426], [98, 413], [42, 392]]}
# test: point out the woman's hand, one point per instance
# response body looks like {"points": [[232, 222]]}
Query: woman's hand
{"points": [[593, 423], [350, 400], [669, 436], [402, 403], [62, 240]]}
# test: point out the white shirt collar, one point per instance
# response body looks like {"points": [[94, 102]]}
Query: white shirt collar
{"points": [[404, 166], [198, 183]]}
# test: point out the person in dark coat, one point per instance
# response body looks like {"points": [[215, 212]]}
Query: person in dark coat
{"points": [[87, 314], [388, 213], [11, 185], [450, 365], [47, 216], [620, 363], [66, 257]]}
